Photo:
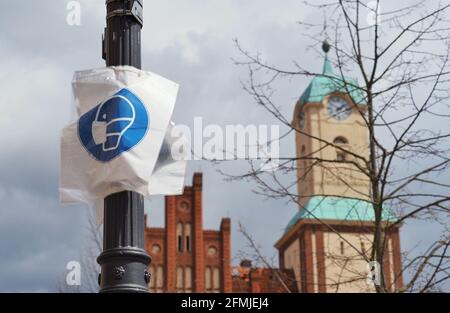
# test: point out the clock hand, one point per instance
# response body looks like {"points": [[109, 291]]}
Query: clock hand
{"points": [[343, 108]]}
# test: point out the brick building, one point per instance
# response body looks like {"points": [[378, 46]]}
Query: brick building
{"points": [[185, 257], [247, 279]]}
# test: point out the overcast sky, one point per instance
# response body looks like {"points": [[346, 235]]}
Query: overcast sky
{"points": [[188, 41]]}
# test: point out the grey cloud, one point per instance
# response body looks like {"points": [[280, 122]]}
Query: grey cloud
{"points": [[37, 235]]}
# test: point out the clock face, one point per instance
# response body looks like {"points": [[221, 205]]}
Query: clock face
{"points": [[301, 119], [339, 108]]}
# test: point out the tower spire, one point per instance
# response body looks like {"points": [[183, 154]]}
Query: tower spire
{"points": [[327, 67]]}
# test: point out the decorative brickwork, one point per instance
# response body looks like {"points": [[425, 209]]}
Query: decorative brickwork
{"points": [[247, 279], [185, 257]]}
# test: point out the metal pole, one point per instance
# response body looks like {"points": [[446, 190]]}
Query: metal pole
{"points": [[124, 261]]}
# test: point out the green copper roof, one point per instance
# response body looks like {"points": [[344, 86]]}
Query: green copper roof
{"points": [[329, 82], [335, 208]]}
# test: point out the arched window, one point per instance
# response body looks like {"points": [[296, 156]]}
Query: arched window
{"points": [[301, 118], [187, 236], [340, 155], [216, 280], [159, 278], [208, 279], [188, 279], [340, 141], [180, 237], [179, 279], [342, 248], [152, 283]]}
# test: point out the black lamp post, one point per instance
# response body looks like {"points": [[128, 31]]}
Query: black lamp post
{"points": [[124, 261]]}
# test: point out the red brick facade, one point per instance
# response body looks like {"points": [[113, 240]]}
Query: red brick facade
{"points": [[186, 258], [262, 280]]}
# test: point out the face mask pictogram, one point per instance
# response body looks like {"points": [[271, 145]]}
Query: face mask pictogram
{"points": [[114, 126]]}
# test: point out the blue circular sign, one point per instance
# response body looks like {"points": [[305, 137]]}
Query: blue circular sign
{"points": [[114, 126]]}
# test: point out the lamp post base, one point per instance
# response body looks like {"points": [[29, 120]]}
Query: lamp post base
{"points": [[123, 261], [124, 270]]}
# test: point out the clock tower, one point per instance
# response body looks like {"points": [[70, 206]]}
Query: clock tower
{"points": [[328, 241], [331, 132]]}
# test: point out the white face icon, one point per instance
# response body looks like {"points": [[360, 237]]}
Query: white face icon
{"points": [[339, 108], [99, 132]]}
